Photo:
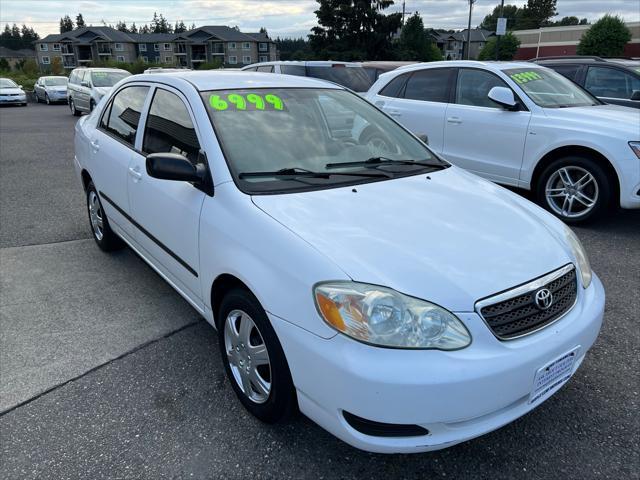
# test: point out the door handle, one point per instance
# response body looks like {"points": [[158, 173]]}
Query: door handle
{"points": [[135, 173], [95, 145], [454, 120], [394, 113]]}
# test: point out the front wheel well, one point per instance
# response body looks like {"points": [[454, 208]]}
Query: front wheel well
{"points": [[585, 152], [86, 178], [221, 286]]}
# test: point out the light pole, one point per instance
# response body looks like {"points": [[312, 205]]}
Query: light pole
{"points": [[471, 2]]}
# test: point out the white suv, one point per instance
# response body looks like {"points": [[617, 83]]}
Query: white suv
{"points": [[523, 125]]}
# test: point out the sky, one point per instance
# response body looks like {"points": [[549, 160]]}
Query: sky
{"points": [[284, 18]]}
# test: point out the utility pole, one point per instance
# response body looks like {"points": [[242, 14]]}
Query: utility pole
{"points": [[471, 2], [403, 5], [498, 39]]}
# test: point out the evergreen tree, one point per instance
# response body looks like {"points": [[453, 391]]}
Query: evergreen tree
{"points": [[414, 42], [145, 29], [510, 12], [133, 28], [536, 14], [66, 24], [607, 38], [193, 26], [180, 27], [122, 27], [80, 21], [509, 45]]}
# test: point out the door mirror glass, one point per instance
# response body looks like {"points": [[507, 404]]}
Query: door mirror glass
{"points": [[635, 95], [503, 96], [424, 137], [84, 83], [174, 166]]}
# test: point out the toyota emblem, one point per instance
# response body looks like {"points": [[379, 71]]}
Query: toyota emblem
{"points": [[544, 298]]}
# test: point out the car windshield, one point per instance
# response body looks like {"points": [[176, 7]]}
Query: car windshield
{"points": [[107, 79], [355, 78], [549, 89], [55, 82], [6, 83], [293, 139]]}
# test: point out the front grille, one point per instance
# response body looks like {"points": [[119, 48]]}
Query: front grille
{"points": [[515, 313]]}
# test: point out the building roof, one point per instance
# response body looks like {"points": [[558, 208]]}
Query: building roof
{"points": [[477, 35], [22, 53], [218, 32]]}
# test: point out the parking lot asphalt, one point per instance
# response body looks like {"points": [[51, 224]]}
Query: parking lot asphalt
{"points": [[107, 373]]}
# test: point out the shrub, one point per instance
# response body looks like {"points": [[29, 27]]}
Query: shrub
{"points": [[509, 45], [606, 38]]}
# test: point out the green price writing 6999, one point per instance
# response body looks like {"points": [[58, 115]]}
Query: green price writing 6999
{"points": [[250, 101]]}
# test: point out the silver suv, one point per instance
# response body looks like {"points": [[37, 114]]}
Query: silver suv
{"points": [[88, 85]]}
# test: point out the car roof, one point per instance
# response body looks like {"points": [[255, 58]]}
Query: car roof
{"points": [[495, 66], [625, 62], [223, 80], [102, 69], [53, 76], [309, 63]]}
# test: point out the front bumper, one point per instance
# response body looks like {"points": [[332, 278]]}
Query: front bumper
{"points": [[456, 395], [629, 176], [13, 99]]}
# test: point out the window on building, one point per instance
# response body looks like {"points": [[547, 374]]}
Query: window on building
{"points": [[429, 85], [168, 59], [44, 47], [263, 47], [233, 59], [143, 47], [120, 58], [167, 47], [118, 47], [263, 58], [246, 46], [246, 59], [473, 87], [169, 127], [124, 113], [156, 47], [232, 45], [46, 60], [56, 47]]}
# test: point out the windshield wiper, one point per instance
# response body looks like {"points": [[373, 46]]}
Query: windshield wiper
{"points": [[375, 162], [303, 172]]}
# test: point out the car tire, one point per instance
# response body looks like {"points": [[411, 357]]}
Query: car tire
{"points": [[46, 99], [106, 239], [74, 111], [245, 330], [37, 97], [576, 189]]}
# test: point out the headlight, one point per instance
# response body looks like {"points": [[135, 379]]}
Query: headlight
{"points": [[635, 146], [381, 316], [581, 256]]}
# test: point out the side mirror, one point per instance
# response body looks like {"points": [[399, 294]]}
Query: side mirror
{"points": [[173, 166], [85, 84], [503, 96], [635, 95], [424, 137], [19, 86]]}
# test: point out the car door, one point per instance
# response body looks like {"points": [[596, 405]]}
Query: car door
{"points": [[612, 85], [38, 89], [168, 212], [481, 136], [84, 91], [112, 150], [420, 103]]}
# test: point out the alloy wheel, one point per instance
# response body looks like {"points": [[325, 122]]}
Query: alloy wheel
{"points": [[46, 99], [248, 356], [572, 191], [96, 216]]}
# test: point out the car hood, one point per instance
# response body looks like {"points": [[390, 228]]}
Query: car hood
{"points": [[451, 239], [623, 120], [10, 91], [56, 88]]}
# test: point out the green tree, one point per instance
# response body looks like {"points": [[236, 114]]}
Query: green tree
{"points": [[509, 45], [490, 21], [536, 14], [354, 29], [80, 21], [56, 66], [122, 27], [414, 42], [133, 28], [4, 65], [606, 38], [30, 68], [66, 24], [180, 27]]}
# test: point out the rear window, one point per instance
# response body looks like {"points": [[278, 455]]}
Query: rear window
{"points": [[355, 78]]}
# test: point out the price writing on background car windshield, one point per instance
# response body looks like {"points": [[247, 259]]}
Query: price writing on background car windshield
{"points": [[524, 77], [246, 102]]}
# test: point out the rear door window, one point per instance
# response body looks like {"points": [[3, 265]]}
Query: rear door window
{"points": [[266, 69], [297, 70], [430, 85], [611, 82], [395, 87], [124, 113]]}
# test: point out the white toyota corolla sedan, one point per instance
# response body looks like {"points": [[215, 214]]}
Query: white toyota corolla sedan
{"points": [[400, 302]]}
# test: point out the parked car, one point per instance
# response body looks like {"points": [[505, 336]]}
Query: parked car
{"points": [[400, 302], [612, 80], [523, 125], [375, 69], [11, 93], [165, 70], [88, 85], [348, 74], [51, 89]]}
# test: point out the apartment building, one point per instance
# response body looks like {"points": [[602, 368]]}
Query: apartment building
{"points": [[189, 49]]}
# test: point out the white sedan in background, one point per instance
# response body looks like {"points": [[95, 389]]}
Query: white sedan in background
{"points": [[523, 125], [11, 93], [400, 302]]}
